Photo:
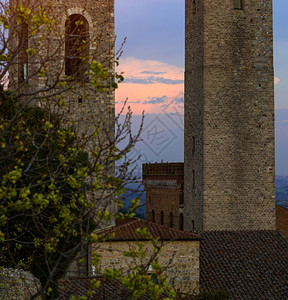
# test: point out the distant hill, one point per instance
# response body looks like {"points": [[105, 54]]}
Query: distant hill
{"points": [[281, 183], [135, 190]]}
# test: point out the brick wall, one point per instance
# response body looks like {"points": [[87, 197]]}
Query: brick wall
{"points": [[229, 116], [164, 192], [181, 258], [282, 220]]}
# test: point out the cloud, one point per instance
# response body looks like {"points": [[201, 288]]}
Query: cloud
{"points": [[156, 100], [276, 80], [152, 80], [153, 73], [146, 84]]}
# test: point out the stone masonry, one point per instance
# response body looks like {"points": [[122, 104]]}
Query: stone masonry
{"points": [[229, 116]]}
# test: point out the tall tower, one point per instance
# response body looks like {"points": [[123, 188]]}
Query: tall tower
{"points": [[229, 116], [81, 31]]}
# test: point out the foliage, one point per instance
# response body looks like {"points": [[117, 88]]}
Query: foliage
{"points": [[57, 178]]}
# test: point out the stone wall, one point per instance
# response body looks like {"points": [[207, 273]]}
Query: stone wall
{"points": [[18, 285], [282, 220], [179, 258], [229, 116]]}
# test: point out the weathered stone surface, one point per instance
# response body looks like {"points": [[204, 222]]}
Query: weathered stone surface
{"points": [[229, 113], [18, 284]]}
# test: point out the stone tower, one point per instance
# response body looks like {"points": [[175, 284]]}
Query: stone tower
{"points": [[82, 31], [58, 66], [229, 116]]}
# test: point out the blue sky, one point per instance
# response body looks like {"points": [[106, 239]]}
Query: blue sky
{"points": [[153, 62]]}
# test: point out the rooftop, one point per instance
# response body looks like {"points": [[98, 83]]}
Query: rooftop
{"points": [[125, 230], [249, 265]]}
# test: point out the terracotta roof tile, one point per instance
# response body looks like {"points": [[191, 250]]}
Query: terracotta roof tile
{"points": [[112, 290], [249, 265], [125, 230]]}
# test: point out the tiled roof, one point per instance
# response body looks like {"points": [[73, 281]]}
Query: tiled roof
{"points": [[108, 290], [125, 230], [249, 265]]}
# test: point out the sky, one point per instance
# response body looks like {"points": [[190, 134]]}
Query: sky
{"points": [[153, 66]]}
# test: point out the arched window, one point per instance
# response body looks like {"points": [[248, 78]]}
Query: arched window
{"points": [[181, 221], [76, 46], [23, 56], [153, 216], [171, 220], [162, 218]]}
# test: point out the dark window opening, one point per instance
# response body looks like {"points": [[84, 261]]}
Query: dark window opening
{"points": [[181, 222], [153, 216], [238, 4], [171, 220], [162, 218], [193, 226], [76, 47], [193, 145], [23, 56], [193, 8], [193, 179]]}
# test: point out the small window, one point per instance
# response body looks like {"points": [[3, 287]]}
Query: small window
{"points": [[237, 4], [162, 218], [171, 220], [76, 47], [193, 145], [153, 216], [193, 178], [193, 8], [181, 222], [23, 56]]}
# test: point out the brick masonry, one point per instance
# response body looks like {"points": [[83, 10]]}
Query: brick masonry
{"points": [[282, 220], [164, 185], [229, 116]]}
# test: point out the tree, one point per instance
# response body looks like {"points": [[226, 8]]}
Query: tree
{"points": [[57, 180]]}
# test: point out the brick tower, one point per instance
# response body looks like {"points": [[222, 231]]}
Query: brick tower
{"points": [[229, 116]]}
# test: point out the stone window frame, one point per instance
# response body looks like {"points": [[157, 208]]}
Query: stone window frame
{"points": [[76, 46], [77, 11]]}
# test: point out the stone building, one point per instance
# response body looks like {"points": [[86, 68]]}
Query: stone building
{"points": [[58, 65], [179, 254], [229, 116], [53, 63]]}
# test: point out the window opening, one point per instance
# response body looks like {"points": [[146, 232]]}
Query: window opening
{"points": [[181, 222], [171, 220], [153, 216], [76, 47], [162, 218], [193, 8]]}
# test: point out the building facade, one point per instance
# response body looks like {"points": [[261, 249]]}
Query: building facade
{"points": [[229, 116], [164, 185]]}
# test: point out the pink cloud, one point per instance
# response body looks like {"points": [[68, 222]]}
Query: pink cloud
{"points": [[148, 80]]}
